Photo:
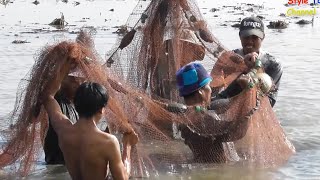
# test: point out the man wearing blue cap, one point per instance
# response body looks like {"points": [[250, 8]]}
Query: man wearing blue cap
{"points": [[193, 84], [251, 36]]}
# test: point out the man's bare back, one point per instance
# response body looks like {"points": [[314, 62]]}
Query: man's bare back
{"points": [[88, 151]]}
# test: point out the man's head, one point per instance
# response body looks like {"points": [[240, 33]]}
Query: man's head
{"points": [[90, 99], [193, 82], [251, 34], [69, 86]]}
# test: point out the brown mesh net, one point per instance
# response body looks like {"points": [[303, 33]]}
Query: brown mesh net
{"points": [[140, 78], [265, 143], [165, 36], [169, 34]]}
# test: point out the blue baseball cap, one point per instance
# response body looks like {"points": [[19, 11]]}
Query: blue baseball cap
{"points": [[192, 77]]}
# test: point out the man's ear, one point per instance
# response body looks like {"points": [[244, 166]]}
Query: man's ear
{"points": [[102, 110], [201, 94]]}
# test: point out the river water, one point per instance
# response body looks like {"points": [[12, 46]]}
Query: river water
{"points": [[297, 47]]}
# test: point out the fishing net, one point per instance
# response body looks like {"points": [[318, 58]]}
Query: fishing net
{"points": [[139, 75], [265, 143], [127, 108], [165, 35]]}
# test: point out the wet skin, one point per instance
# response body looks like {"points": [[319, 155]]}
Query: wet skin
{"points": [[206, 94]]}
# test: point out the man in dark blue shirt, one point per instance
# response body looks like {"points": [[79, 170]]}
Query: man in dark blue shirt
{"points": [[251, 36]]}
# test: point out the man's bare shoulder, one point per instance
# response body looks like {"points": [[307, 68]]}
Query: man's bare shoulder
{"points": [[110, 142], [61, 124], [105, 145], [108, 139]]}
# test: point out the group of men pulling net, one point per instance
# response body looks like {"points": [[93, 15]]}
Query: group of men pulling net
{"points": [[140, 76]]}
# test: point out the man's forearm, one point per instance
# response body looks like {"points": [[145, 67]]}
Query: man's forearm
{"points": [[232, 90], [52, 107], [126, 157]]}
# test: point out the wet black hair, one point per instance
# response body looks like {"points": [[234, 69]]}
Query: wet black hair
{"points": [[90, 98]]}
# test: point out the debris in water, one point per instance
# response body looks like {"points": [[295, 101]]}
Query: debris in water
{"points": [[76, 3], [237, 25], [122, 30], [19, 42], [59, 23], [36, 2], [303, 22], [5, 2], [277, 24]]}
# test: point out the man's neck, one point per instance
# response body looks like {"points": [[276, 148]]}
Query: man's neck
{"points": [[88, 122]]}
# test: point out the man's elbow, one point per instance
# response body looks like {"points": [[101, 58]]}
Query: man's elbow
{"points": [[272, 101], [272, 98]]}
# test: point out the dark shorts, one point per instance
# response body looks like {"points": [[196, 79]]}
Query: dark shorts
{"points": [[52, 151]]}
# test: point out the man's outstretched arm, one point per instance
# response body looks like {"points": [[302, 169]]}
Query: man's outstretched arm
{"points": [[58, 119]]}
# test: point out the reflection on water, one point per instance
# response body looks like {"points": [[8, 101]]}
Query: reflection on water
{"points": [[50, 172], [296, 47]]}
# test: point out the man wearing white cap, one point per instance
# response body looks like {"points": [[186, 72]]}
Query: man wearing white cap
{"points": [[64, 97]]}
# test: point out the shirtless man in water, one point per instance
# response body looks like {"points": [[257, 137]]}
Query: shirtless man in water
{"points": [[87, 150]]}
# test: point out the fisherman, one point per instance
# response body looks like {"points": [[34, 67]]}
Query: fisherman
{"points": [[251, 36], [86, 149], [194, 86], [64, 97]]}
